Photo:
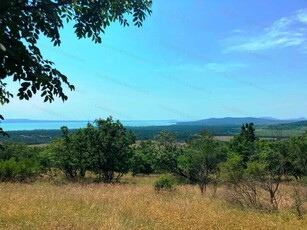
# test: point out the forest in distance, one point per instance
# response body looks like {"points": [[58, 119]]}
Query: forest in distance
{"points": [[264, 129]]}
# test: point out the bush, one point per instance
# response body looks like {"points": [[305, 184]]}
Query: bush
{"points": [[24, 170], [143, 160], [164, 183]]}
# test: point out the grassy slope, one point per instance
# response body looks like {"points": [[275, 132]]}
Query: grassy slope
{"points": [[98, 206]]}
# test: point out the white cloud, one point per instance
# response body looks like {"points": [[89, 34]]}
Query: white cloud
{"points": [[285, 32], [302, 15], [212, 66], [223, 67]]}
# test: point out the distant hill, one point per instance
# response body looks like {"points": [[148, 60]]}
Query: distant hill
{"points": [[239, 121], [299, 125]]}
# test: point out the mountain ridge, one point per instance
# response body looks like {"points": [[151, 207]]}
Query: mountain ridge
{"points": [[240, 121]]}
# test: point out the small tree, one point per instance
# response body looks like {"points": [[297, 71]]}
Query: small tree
{"points": [[244, 143], [272, 160], [235, 170], [200, 160], [168, 153], [109, 148], [264, 170], [71, 153]]}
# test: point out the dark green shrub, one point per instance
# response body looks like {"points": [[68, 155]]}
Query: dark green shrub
{"points": [[143, 160], [165, 183], [23, 170]]}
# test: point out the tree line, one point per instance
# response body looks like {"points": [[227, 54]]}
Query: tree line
{"points": [[106, 151]]}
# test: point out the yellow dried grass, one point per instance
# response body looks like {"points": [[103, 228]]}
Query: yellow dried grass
{"points": [[99, 206]]}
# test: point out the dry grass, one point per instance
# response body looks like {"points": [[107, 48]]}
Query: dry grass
{"points": [[97, 206]]}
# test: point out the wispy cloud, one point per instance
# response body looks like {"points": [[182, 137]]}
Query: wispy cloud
{"points": [[285, 32], [223, 67], [211, 66]]}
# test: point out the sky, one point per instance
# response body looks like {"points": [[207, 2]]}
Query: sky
{"points": [[191, 60]]}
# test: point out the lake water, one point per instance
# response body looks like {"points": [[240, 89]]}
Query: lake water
{"points": [[28, 125]]}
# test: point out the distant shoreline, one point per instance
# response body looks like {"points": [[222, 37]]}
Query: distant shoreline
{"points": [[28, 125], [38, 121]]}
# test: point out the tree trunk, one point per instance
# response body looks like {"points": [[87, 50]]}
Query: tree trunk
{"points": [[203, 187]]}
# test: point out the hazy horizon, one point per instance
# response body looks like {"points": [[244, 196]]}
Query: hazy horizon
{"points": [[191, 60], [264, 117]]}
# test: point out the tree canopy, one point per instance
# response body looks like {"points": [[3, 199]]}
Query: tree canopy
{"points": [[22, 22], [104, 149]]}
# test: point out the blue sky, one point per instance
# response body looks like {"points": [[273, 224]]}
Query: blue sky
{"points": [[191, 60]]}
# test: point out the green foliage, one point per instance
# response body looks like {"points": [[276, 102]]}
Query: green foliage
{"points": [[244, 142], [144, 160], [256, 164], [298, 155], [110, 149], [248, 132], [196, 161], [19, 163], [46, 158], [164, 183], [232, 170], [168, 152], [23, 170], [33, 137], [200, 159], [18, 151], [104, 149], [183, 132], [71, 153]]}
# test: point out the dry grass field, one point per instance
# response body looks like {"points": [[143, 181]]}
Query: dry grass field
{"points": [[43, 205]]}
